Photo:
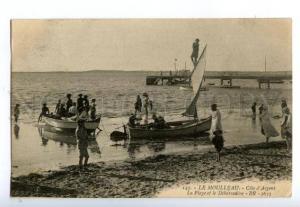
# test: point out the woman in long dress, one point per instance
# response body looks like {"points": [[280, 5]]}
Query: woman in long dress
{"points": [[267, 128], [286, 125]]}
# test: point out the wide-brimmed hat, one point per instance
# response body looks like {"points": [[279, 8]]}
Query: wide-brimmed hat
{"points": [[145, 94], [80, 94]]}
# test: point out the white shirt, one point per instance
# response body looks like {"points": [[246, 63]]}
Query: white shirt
{"points": [[216, 121], [72, 110]]}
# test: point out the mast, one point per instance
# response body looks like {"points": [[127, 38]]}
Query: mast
{"points": [[265, 63], [197, 79], [175, 66]]}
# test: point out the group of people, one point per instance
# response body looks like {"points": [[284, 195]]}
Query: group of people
{"points": [[267, 128], [81, 109], [147, 103]]}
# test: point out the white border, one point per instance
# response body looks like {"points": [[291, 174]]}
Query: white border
{"points": [[34, 9]]}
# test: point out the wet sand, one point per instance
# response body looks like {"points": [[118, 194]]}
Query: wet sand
{"points": [[149, 176]]}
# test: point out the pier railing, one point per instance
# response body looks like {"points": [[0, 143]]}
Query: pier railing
{"points": [[174, 77]]}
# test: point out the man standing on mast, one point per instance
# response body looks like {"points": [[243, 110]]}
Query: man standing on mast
{"points": [[194, 56]]}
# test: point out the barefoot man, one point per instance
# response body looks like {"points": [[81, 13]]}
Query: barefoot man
{"points": [[82, 136], [194, 56], [217, 130]]}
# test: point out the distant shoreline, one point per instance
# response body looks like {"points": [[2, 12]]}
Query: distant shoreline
{"points": [[153, 71]]}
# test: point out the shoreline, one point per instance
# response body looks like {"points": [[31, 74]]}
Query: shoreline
{"points": [[148, 177]]}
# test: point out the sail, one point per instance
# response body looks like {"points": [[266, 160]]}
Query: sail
{"points": [[197, 79]]}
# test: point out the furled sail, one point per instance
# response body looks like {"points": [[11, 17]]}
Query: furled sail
{"points": [[197, 79]]}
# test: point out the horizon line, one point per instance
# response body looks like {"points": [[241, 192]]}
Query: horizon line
{"points": [[75, 71]]}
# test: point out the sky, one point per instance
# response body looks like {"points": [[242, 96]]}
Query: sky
{"points": [[150, 44]]}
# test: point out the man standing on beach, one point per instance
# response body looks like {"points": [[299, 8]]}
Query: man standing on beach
{"points": [[17, 112], [82, 137], [194, 56], [216, 130]]}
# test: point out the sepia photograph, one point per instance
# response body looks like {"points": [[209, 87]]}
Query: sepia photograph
{"points": [[150, 108]]}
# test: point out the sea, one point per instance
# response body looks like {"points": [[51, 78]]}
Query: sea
{"points": [[35, 150]]}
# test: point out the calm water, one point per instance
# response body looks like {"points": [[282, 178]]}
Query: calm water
{"points": [[36, 150]]}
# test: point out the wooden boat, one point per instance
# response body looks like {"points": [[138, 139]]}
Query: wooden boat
{"points": [[67, 123], [58, 137], [186, 128]]}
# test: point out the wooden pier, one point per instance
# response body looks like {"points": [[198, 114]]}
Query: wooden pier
{"points": [[262, 78]]}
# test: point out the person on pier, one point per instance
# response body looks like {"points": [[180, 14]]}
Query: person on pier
{"points": [[194, 56]]}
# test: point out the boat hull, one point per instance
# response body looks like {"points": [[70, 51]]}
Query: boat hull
{"points": [[70, 124], [186, 129]]}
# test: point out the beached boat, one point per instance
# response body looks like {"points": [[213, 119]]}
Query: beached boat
{"points": [[68, 123], [186, 128]]}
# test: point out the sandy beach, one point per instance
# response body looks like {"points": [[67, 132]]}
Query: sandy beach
{"points": [[148, 177]]}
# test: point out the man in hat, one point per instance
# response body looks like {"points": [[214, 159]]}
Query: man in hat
{"points": [[82, 137], [80, 103], [69, 102], [194, 56]]}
